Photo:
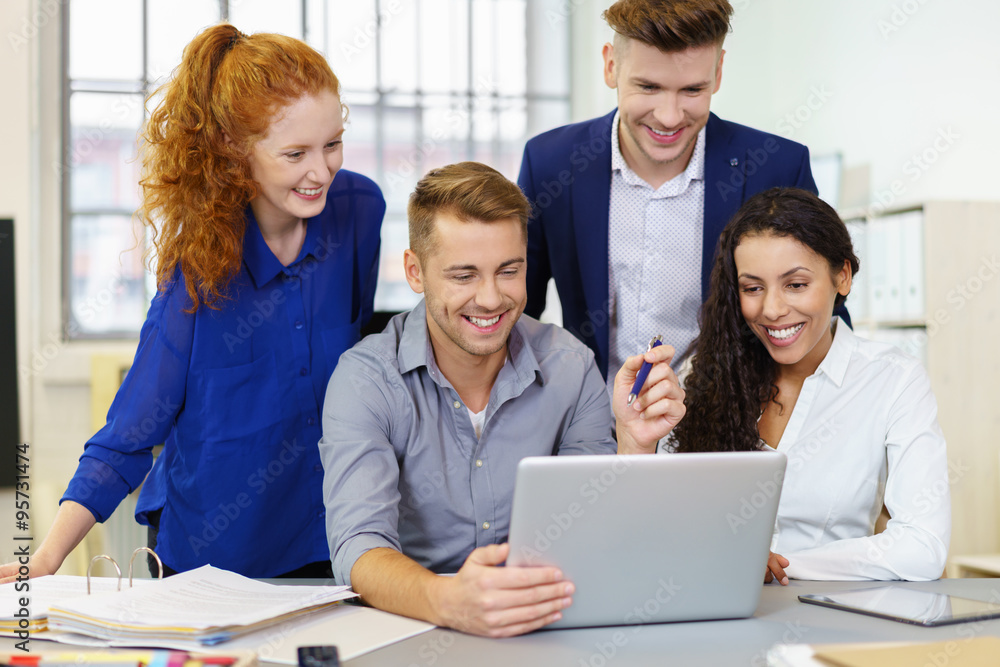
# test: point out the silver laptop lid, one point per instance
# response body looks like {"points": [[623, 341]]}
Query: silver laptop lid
{"points": [[645, 539]]}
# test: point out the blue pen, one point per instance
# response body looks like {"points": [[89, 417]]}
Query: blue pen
{"points": [[640, 379]]}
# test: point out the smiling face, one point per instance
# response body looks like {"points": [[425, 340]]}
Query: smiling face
{"points": [[297, 159], [787, 295], [663, 102], [473, 282]]}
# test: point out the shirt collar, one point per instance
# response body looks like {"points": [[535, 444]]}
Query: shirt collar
{"points": [[415, 350], [834, 365], [414, 343], [695, 170], [261, 263]]}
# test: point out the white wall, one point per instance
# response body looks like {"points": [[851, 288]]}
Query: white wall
{"points": [[881, 82], [16, 194], [912, 87], [589, 96]]}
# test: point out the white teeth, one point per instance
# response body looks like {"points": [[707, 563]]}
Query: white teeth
{"points": [[309, 192], [480, 322], [664, 134], [784, 333]]}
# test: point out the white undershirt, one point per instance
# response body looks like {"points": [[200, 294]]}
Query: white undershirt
{"points": [[479, 418], [478, 421]]}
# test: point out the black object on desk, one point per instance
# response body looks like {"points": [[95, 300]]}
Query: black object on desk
{"points": [[318, 656]]}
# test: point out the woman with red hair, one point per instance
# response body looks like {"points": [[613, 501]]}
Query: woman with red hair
{"points": [[266, 258]]}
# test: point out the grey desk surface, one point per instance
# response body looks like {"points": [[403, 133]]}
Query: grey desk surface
{"points": [[780, 618]]}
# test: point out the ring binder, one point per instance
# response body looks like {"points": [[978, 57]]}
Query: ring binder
{"points": [[199, 607], [159, 573], [113, 562], [131, 562]]}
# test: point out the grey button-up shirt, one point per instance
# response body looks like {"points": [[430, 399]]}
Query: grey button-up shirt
{"points": [[404, 468]]}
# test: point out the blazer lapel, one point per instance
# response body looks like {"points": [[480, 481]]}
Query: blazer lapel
{"points": [[591, 202], [724, 188]]}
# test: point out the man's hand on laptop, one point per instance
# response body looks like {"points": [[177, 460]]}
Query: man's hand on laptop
{"points": [[657, 409], [776, 565], [492, 601]]}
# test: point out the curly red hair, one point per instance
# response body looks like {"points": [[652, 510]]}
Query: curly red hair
{"points": [[196, 177]]}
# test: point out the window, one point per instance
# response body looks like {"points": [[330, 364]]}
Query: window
{"points": [[428, 82]]}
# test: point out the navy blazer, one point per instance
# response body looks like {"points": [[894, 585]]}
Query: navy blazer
{"points": [[566, 174]]}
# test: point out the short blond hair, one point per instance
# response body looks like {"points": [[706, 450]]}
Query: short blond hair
{"points": [[470, 191]]}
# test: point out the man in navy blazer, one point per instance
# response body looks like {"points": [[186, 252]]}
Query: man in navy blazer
{"points": [[666, 62]]}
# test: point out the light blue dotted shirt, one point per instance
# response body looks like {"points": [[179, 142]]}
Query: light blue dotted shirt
{"points": [[654, 256]]}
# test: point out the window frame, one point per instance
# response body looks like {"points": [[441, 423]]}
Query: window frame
{"points": [[468, 100]]}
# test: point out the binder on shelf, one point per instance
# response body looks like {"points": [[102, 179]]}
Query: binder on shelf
{"points": [[878, 283], [857, 300], [912, 253], [884, 258], [893, 268]]}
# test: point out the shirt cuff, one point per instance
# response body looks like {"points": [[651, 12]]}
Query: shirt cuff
{"points": [[98, 487], [353, 549]]}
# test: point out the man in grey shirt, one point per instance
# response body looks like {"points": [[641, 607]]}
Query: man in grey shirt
{"points": [[424, 423]]}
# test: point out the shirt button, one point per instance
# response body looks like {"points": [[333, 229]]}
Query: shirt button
{"points": [[318, 468], [457, 404], [479, 463], [321, 513], [311, 421], [486, 525], [303, 372], [298, 325]]}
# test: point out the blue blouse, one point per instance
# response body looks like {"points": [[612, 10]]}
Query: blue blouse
{"points": [[235, 395]]}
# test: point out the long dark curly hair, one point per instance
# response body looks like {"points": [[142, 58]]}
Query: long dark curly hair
{"points": [[732, 373]]}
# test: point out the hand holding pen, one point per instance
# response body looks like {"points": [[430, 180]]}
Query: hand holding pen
{"points": [[640, 379], [648, 400]]}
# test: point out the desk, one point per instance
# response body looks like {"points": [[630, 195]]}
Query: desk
{"points": [[780, 617]]}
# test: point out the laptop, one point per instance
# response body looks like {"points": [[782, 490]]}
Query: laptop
{"points": [[649, 539]]}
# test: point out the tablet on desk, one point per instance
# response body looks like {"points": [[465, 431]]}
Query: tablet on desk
{"points": [[907, 605]]}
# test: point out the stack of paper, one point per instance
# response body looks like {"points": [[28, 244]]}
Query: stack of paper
{"points": [[43, 592], [207, 605]]}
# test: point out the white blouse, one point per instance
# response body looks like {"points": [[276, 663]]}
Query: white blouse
{"points": [[864, 431]]}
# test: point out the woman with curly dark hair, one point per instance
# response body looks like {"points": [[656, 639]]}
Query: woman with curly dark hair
{"points": [[857, 419], [266, 257]]}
